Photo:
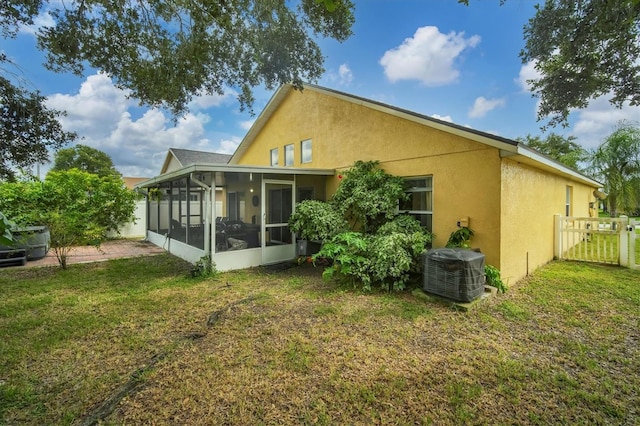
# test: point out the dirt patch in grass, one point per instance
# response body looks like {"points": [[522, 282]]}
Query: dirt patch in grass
{"points": [[284, 347]]}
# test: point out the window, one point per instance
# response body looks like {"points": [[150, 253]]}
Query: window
{"points": [[419, 204], [288, 155], [305, 151], [274, 157], [305, 194], [568, 211]]}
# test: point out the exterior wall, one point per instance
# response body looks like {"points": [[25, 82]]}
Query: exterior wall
{"points": [[131, 229], [466, 174], [530, 199], [173, 165]]}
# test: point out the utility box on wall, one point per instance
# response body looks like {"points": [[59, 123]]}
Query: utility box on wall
{"points": [[307, 248]]}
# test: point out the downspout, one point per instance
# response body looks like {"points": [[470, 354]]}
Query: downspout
{"points": [[207, 215]]}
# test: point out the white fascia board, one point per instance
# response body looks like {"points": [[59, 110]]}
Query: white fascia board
{"points": [[204, 168]]}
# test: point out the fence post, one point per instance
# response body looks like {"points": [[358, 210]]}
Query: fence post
{"points": [[557, 236], [623, 241], [632, 243]]}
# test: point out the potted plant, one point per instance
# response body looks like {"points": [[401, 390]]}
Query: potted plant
{"points": [[313, 222]]}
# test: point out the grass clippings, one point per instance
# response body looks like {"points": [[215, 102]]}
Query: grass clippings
{"points": [[251, 347]]}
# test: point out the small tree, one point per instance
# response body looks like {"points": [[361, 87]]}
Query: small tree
{"points": [[77, 207]]}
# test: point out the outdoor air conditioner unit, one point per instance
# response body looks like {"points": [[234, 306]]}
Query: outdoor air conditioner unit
{"points": [[454, 273]]}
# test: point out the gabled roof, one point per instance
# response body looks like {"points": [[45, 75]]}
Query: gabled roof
{"points": [[187, 156], [507, 147]]}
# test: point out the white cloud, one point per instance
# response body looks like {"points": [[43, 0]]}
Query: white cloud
{"points": [[44, 19], [99, 113], [599, 119], [527, 72], [483, 105], [346, 76], [246, 125], [429, 56], [442, 117], [591, 125], [207, 101], [343, 77], [229, 146]]}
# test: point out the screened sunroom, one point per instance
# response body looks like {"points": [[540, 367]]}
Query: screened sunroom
{"points": [[236, 214]]}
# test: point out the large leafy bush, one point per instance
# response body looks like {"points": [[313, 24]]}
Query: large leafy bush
{"points": [[316, 220], [381, 248]]}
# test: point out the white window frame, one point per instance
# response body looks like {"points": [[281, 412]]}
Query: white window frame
{"points": [[302, 151], [273, 154], [428, 188], [289, 151], [568, 208]]}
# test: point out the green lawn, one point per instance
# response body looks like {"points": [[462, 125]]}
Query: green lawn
{"points": [[138, 342]]}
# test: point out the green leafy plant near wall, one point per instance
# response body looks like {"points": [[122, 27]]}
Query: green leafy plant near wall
{"points": [[316, 220], [460, 238], [379, 246], [493, 278]]}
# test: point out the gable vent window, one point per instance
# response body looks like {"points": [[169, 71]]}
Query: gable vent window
{"points": [[274, 157], [288, 155], [305, 151], [419, 204]]}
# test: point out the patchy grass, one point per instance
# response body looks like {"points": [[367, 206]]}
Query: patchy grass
{"points": [[137, 342]]}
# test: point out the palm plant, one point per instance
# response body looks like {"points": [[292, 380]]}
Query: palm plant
{"points": [[616, 162]]}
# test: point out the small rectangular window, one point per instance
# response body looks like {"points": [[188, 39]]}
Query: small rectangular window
{"points": [[568, 211], [419, 203], [274, 157], [288, 155], [305, 151]]}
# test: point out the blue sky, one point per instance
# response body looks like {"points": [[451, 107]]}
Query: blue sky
{"points": [[435, 57]]}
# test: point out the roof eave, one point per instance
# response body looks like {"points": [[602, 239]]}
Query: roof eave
{"points": [[205, 168], [540, 160]]}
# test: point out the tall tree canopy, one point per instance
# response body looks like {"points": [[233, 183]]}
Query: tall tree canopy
{"points": [[28, 129], [164, 52], [616, 162], [84, 158], [564, 150], [583, 49]]}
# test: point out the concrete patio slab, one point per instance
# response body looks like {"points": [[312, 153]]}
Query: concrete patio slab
{"points": [[114, 249]]}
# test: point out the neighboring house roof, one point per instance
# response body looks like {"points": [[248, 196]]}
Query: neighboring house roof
{"points": [[130, 182], [185, 157], [507, 147]]}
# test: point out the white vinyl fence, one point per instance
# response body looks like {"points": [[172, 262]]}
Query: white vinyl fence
{"points": [[136, 229], [600, 240]]}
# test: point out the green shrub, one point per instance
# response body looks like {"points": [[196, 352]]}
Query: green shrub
{"points": [[460, 238], [493, 278], [316, 220], [394, 256], [386, 259], [368, 196], [349, 252], [204, 268]]}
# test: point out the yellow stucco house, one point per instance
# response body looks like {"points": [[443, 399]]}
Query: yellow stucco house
{"points": [[302, 141]]}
